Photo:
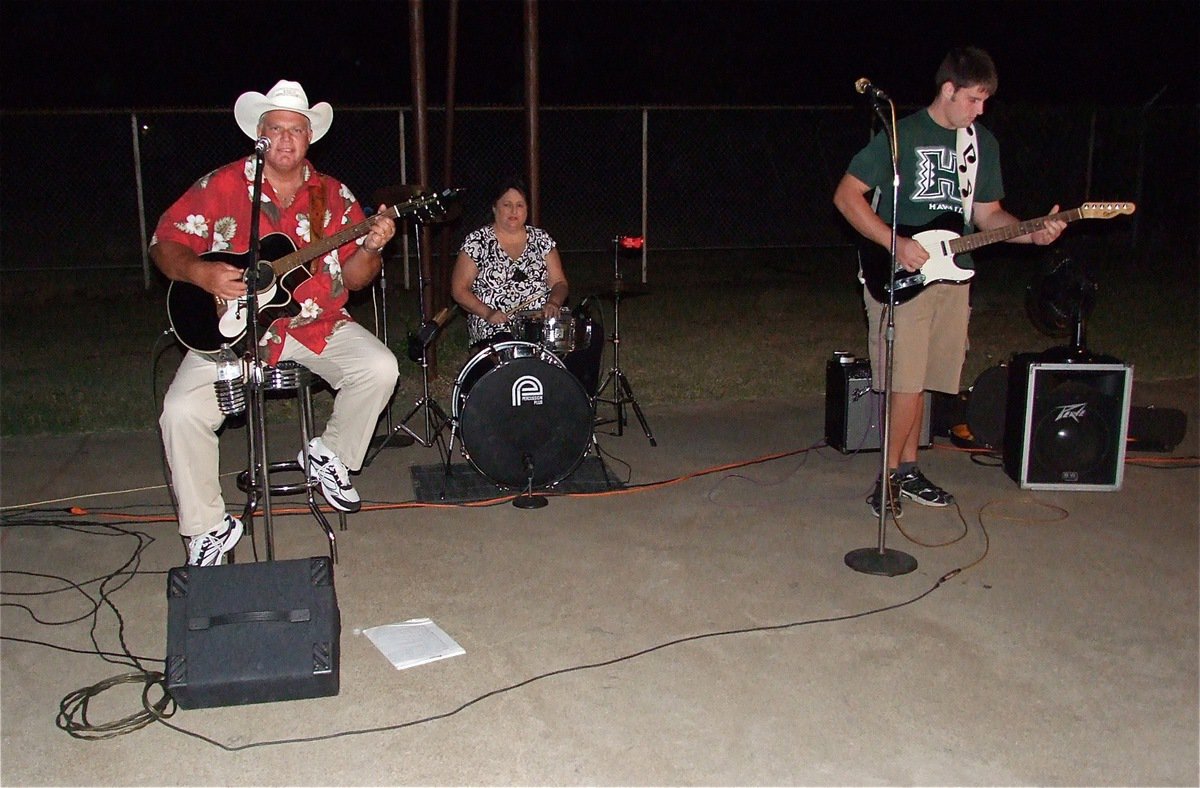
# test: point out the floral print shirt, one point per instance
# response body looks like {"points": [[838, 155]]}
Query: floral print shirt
{"points": [[504, 283], [214, 216]]}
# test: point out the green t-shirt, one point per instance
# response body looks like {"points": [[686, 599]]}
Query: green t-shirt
{"points": [[928, 172]]}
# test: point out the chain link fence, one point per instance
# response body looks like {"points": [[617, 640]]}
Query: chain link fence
{"points": [[84, 190]]}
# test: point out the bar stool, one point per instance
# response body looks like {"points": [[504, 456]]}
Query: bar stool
{"points": [[286, 376]]}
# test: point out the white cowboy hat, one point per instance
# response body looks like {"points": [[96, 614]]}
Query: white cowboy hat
{"points": [[251, 106]]}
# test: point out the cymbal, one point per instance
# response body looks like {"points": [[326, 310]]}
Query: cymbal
{"points": [[621, 289]]}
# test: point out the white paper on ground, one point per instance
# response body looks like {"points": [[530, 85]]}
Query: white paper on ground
{"points": [[413, 642]]}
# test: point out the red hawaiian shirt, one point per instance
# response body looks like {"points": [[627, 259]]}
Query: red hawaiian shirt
{"points": [[214, 216]]}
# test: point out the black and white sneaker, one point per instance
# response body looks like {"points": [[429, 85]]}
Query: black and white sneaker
{"points": [[914, 486], [325, 467], [873, 500], [209, 548]]}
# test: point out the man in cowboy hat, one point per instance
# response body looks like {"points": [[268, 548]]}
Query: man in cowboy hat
{"points": [[305, 206]]}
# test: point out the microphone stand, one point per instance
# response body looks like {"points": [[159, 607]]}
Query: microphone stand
{"points": [[259, 487], [528, 500], [882, 560]]}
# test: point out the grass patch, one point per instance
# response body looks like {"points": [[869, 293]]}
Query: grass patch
{"points": [[83, 351]]}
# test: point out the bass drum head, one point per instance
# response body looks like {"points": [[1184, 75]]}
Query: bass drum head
{"points": [[526, 411]]}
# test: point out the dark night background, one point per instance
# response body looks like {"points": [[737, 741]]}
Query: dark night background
{"points": [[143, 54]]}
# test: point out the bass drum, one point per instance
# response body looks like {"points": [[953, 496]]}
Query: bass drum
{"points": [[519, 410]]}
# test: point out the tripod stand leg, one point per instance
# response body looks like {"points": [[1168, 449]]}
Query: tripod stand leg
{"points": [[637, 409], [435, 421], [397, 436], [617, 401]]}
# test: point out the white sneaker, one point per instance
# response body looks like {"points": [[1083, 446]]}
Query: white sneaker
{"points": [[325, 467], [208, 549]]}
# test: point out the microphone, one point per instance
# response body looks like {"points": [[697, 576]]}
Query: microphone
{"points": [[864, 86], [263, 144]]}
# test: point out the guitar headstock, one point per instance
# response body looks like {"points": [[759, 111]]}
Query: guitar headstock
{"points": [[1106, 210], [430, 207]]}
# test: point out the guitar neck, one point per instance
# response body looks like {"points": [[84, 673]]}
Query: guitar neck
{"points": [[301, 256], [977, 240]]}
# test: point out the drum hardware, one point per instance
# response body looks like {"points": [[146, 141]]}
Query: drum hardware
{"points": [[622, 392], [522, 418], [556, 334], [528, 500], [435, 417]]}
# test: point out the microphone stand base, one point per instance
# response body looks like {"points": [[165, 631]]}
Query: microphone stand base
{"points": [[874, 561], [529, 501]]}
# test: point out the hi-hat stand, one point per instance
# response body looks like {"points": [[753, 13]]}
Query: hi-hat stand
{"points": [[622, 392], [434, 415]]}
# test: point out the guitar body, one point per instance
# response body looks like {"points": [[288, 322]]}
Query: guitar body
{"points": [[941, 239], [203, 323], [935, 238]]}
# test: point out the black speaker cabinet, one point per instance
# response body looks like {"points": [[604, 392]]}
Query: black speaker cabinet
{"points": [[852, 410], [252, 633], [1066, 424]]}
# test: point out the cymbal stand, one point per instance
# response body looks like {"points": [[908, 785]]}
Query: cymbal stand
{"points": [[622, 392]]}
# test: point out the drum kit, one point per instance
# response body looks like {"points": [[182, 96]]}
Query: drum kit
{"points": [[524, 408]]}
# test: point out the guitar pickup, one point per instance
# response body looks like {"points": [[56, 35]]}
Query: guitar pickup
{"points": [[911, 281]]}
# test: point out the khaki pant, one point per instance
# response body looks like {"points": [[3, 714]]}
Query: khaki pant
{"points": [[356, 364], [931, 339]]}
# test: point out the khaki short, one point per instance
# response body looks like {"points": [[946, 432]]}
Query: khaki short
{"points": [[931, 339]]}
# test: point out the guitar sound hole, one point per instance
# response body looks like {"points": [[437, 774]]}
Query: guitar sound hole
{"points": [[266, 276]]}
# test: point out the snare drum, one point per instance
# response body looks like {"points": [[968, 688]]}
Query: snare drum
{"points": [[518, 409], [556, 334]]}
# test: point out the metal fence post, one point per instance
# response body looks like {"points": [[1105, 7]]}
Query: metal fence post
{"points": [[141, 200]]}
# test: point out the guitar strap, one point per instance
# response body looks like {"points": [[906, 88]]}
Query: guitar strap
{"points": [[316, 215], [316, 202], [968, 166]]}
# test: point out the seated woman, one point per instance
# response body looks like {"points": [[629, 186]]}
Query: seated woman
{"points": [[506, 267]]}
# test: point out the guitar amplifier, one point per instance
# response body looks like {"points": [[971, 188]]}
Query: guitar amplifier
{"points": [[252, 633], [852, 410]]}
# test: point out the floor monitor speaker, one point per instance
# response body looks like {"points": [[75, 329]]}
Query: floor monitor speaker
{"points": [[252, 633], [1066, 424]]}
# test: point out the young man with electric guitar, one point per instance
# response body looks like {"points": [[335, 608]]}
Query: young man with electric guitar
{"points": [[202, 245], [950, 179]]}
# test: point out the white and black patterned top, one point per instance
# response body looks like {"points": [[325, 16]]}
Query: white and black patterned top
{"points": [[504, 283]]}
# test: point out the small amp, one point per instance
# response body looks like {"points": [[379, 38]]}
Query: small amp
{"points": [[853, 412]]}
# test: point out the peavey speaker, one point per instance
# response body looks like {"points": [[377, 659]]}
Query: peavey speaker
{"points": [[853, 411], [1066, 424], [252, 633]]}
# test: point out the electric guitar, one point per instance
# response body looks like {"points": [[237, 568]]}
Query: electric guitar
{"points": [[940, 240], [203, 322]]}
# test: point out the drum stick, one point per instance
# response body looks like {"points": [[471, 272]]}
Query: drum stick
{"points": [[520, 306]]}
